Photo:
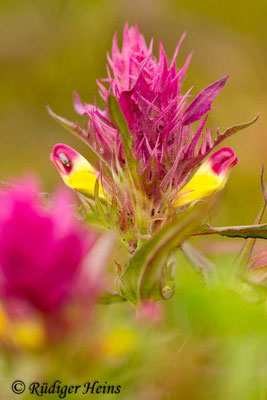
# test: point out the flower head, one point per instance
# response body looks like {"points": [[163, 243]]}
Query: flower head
{"points": [[160, 122], [155, 136], [41, 248]]}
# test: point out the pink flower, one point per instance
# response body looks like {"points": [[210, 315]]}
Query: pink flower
{"points": [[158, 116], [148, 141], [42, 248], [150, 312]]}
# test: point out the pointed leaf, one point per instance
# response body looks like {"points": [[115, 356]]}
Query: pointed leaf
{"points": [[243, 231], [110, 298], [121, 124], [202, 103]]}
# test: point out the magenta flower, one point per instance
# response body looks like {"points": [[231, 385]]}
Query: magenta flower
{"points": [[152, 141], [42, 248], [160, 121]]}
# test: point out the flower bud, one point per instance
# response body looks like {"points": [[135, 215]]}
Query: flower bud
{"points": [[211, 177], [75, 170]]}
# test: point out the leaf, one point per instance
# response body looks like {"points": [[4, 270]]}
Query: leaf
{"points": [[96, 222], [243, 231], [75, 129], [202, 103], [142, 276], [110, 298], [119, 120], [98, 204], [121, 124]]}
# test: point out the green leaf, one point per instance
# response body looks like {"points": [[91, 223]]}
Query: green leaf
{"points": [[110, 298], [119, 120], [243, 231], [95, 222], [98, 204], [121, 124], [142, 277]]}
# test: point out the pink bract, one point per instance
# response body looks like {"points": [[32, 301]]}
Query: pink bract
{"points": [[149, 92]]}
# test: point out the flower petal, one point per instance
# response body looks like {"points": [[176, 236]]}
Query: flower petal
{"points": [[209, 178], [202, 103], [75, 170]]}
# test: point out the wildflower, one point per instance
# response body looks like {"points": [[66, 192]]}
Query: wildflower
{"points": [[148, 138], [41, 248], [75, 170], [211, 177]]}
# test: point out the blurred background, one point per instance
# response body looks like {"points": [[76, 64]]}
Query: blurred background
{"points": [[50, 48]]}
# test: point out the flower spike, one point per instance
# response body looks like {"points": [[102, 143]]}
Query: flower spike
{"points": [[209, 178], [150, 136], [75, 170]]}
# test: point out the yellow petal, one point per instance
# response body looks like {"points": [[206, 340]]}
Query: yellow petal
{"points": [[76, 172], [209, 178]]}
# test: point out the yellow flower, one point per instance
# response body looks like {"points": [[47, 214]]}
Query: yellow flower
{"points": [[209, 178], [75, 170]]}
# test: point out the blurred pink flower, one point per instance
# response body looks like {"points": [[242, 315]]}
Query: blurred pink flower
{"points": [[42, 247], [151, 312]]}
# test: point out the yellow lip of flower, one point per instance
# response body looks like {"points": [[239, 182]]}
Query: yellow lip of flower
{"points": [[76, 172], [209, 178]]}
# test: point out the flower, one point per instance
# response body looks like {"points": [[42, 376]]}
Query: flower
{"points": [[42, 248], [211, 177], [148, 138], [75, 170]]}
